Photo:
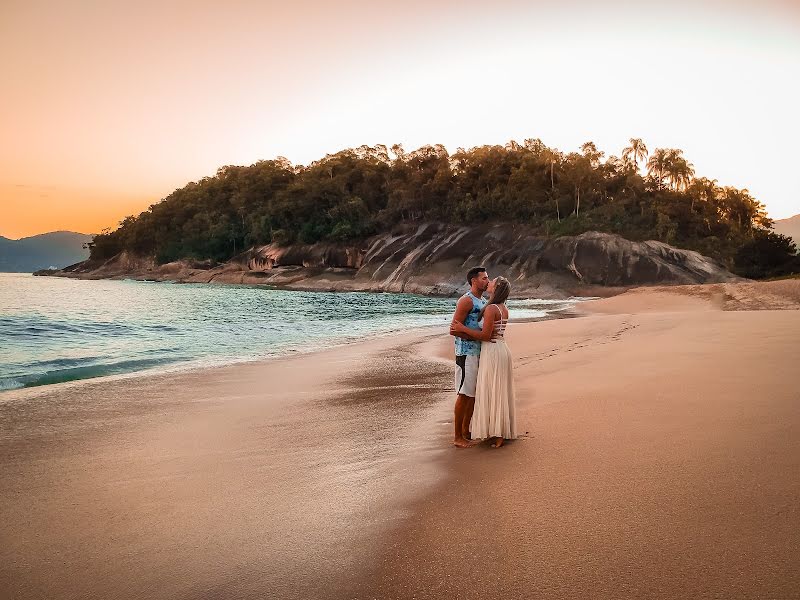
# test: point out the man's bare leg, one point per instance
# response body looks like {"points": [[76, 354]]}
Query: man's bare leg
{"points": [[462, 403], [467, 417]]}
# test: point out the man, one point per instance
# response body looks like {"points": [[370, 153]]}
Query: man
{"points": [[468, 353]]}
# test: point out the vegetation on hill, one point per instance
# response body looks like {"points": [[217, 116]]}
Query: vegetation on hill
{"points": [[347, 196]]}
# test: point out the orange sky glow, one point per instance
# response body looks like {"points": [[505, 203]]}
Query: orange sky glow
{"points": [[107, 107]]}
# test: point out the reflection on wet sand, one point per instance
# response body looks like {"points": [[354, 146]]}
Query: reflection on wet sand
{"points": [[257, 480]]}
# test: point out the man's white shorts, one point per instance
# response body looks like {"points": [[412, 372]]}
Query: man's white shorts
{"points": [[466, 374]]}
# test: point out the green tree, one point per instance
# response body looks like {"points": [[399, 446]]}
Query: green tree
{"points": [[657, 166], [349, 195], [677, 170], [768, 254], [634, 153]]}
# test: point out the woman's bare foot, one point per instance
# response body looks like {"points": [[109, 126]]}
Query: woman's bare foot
{"points": [[498, 442]]}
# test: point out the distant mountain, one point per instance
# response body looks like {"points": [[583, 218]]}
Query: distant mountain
{"points": [[790, 227], [56, 249]]}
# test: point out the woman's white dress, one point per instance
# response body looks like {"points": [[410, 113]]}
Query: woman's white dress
{"points": [[495, 411]]}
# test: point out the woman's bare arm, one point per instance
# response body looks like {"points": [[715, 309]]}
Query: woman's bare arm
{"points": [[485, 334]]}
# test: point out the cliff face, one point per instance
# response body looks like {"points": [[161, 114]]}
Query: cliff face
{"points": [[433, 259]]}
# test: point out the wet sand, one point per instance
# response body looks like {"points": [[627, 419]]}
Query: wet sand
{"points": [[263, 480], [661, 460]]}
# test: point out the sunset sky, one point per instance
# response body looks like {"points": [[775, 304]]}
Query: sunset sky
{"points": [[107, 106]]}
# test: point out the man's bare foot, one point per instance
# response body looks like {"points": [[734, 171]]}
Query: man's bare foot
{"points": [[461, 443]]}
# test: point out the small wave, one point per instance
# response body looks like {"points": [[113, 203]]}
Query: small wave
{"points": [[10, 383], [67, 363], [529, 314], [82, 372], [38, 327]]}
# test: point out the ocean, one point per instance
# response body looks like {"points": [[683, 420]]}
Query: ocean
{"points": [[54, 330]]}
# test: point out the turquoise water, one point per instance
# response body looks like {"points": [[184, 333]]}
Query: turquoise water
{"points": [[54, 330]]}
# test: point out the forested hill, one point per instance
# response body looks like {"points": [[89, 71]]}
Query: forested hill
{"points": [[355, 193]]}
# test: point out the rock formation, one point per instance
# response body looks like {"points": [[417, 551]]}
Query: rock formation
{"points": [[432, 258]]}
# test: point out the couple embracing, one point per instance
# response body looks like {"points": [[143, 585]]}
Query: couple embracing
{"points": [[485, 405]]}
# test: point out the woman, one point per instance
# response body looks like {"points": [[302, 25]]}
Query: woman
{"points": [[495, 414]]}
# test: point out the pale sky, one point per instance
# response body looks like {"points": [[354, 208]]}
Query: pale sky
{"points": [[107, 106]]}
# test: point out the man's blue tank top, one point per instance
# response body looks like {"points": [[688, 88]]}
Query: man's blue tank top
{"points": [[470, 347]]}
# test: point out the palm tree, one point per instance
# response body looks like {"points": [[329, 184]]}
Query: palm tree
{"points": [[657, 165], [552, 157], [577, 170], [678, 170], [669, 163], [635, 152], [591, 152], [703, 189]]}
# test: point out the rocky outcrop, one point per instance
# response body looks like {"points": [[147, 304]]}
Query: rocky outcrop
{"points": [[599, 258], [433, 258]]}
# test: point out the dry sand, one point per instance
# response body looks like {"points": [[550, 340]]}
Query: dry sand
{"points": [[662, 460]]}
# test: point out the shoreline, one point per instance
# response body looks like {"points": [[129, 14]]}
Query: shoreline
{"points": [[196, 367], [559, 289], [213, 362]]}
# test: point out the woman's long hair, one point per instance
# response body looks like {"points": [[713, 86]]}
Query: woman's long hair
{"points": [[502, 288]]}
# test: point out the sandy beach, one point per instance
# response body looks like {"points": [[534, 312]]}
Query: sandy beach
{"points": [[660, 460]]}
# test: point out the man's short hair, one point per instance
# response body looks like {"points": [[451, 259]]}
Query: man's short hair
{"points": [[473, 272]]}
